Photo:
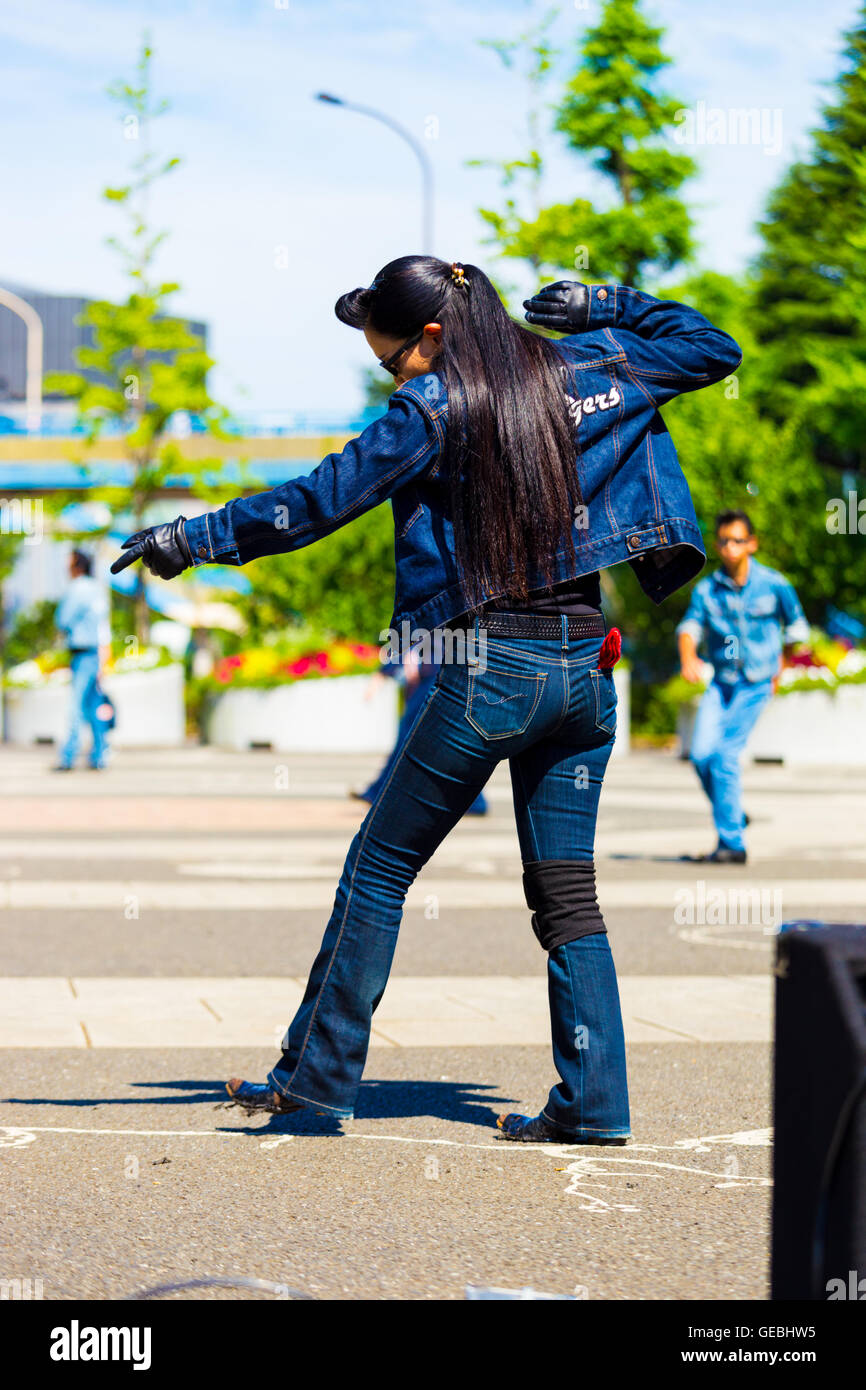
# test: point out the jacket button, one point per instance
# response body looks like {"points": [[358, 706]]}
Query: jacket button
{"points": [[602, 294], [632, 542], [202, 552]]}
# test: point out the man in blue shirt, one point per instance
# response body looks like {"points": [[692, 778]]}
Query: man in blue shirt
{"points": [[82, 618], [746, 614]]}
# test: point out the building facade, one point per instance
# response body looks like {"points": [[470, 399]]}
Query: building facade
{"points": [[62, 336]]}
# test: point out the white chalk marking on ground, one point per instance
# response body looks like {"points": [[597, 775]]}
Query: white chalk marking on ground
{"points": [[584, 1171], [17, 1136], [715, 936], [750, 1138], [586, 1168]]}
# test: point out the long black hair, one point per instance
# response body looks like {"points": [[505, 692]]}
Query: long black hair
{"points": [[511, 443]]}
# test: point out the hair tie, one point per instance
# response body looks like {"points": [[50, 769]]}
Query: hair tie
{"points": [[458, 276]]}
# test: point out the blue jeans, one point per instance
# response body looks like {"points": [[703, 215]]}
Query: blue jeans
{"points": [[543, 705], [414, 701], [85, 702], [726, 716]]}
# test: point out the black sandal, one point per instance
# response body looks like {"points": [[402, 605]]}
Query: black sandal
{"points": [[540, 1130], [255, 1095]]}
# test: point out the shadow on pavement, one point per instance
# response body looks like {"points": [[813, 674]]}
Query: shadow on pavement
{"points": [[455, 1101]]}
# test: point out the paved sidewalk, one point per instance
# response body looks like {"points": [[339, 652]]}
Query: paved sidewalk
{"points": [[421, 1011], [158, 922]]}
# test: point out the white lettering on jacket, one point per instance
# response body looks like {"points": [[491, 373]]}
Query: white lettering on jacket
{"points": [[603, 400]]}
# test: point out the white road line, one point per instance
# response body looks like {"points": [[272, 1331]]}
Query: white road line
{"points": [[584, 1171]]}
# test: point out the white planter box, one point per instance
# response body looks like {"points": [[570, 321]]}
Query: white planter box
{"points": [[622, 683], [686, 727], [809, 727], [329, 714], [149, 705]]}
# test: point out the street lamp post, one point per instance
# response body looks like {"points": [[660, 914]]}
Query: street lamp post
{"points": [[33, 380], [419, 150]]}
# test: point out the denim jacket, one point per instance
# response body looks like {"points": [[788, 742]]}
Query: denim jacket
{"points": [[744, 627], [636, 353]]}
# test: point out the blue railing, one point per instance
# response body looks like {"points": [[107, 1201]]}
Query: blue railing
{"points": [[46, 476], [62, 422]]}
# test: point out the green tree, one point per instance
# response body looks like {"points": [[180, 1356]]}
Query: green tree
{"points": [[810, 301], [533, 55], [612, 111], [32, 632], [340, 586], [378, 388], [736, 453], [144, 365]]}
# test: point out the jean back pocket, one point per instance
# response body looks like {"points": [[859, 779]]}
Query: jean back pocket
{"points": [[500, 704]]}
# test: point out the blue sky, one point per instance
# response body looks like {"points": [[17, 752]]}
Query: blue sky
{"points": [[265, 167]]}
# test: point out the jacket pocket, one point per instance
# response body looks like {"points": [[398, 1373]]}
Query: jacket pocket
{"points": [[605, 700], [499, 704], [410, 521]]}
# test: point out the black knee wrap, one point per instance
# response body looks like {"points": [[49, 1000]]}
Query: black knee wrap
{"points": [[561, 893]]}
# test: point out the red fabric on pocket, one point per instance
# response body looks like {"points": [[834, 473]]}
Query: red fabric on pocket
{"points": [[611, 650]]}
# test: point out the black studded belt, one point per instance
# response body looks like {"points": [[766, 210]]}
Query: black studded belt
{"points": [[501, 624]]}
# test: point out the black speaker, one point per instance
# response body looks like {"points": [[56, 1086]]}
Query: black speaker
{"points": [[819, 1113]]}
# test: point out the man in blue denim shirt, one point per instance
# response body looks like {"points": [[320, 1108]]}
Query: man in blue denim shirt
{"points": [[82, 619], [745, 613]]}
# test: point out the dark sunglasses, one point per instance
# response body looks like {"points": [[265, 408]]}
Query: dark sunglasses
{"points": [[390, 363]]}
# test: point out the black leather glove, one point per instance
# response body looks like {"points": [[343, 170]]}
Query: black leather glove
{"points": [[161, 549], [563, 307]]}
